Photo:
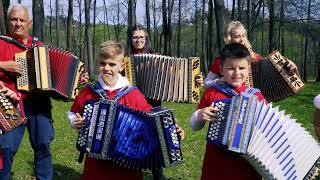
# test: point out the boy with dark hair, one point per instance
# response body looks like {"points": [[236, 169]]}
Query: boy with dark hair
{"points": [[219, 163]]}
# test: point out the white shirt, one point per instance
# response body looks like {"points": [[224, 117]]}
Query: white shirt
{"points": [[316, 102]]}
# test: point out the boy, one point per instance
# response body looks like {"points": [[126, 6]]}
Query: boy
{"points": [[110, 63], [219, 163]]}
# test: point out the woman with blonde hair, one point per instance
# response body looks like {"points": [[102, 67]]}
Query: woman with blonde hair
{"points": [[235, 33]]}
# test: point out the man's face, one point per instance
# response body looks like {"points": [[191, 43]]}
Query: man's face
{"points": [[19, 23]]}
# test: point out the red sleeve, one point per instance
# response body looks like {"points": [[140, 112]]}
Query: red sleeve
{"points": [[260, 96], [215, 67], [80, 100], [136, 100], [257, 57], [207, 98]]}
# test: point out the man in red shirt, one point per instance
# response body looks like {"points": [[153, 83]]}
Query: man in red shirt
{"points": [[37, 106]]}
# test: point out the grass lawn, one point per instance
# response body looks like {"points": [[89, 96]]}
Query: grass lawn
{"points": [[65, 154]]}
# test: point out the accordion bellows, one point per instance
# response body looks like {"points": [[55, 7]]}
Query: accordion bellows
{"points": [[274, 79], [164, 78], [274, 143], [130, 138], [49, 69]]}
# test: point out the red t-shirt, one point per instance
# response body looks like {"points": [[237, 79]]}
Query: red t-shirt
{"points": [[7, 53], [215, 67], [102, 169], [219, 163]]}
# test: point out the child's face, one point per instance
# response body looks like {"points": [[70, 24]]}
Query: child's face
{"points": [[110, 68], [238, 35], [235, 71]]}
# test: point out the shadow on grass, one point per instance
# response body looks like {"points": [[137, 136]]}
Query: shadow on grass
{"points": [[64, 172]]}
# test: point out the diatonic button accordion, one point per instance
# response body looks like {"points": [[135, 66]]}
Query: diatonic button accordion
{"points": [[10, 117], [273, 142], [49, 69], [275, 80], [130, 138], [163, 77]]}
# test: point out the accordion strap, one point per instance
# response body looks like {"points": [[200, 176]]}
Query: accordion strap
{"points": [[97, 88], [18, 43], [228, 90]]}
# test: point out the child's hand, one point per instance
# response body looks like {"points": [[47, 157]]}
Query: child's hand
{"points": [[208, 114], [84, 78], [180, 131], [79, 122], [199, 79]]}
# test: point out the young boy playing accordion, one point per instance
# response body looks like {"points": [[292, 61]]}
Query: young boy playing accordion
{"points": [[219, 163], [110, 63]]}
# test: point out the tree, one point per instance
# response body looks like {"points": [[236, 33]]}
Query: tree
{"points": [[106, 20], [5, 6], [148, 18], [57, 25], [203, 39], [281, 28], [69, 24], [233, 9], [88, 42], [271, 24], [179, 28], [38, 19], [196, 29], [306, 43], [210, 31], [131, 21], [219, 13], [2, 19], [94, 28], [166, 25]]}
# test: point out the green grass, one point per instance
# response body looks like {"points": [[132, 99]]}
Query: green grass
{"points": [[65, 154]]}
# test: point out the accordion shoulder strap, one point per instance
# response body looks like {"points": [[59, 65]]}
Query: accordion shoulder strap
{"points": [[18, 43], [252, 91], [97, 88], [225, 88]]}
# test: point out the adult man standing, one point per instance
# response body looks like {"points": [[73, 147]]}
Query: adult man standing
{"points": [[37, 105]]}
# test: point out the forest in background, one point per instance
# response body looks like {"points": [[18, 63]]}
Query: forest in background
{"points": [[180, 28]]}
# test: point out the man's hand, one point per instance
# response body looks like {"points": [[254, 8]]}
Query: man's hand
{"points": [[8, 92], [11, 67]]}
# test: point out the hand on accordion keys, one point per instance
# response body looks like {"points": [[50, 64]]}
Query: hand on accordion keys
{"points": [[208, 114], [78, 122], [8, 92], [11, 67], [180, 131], [84, 78]]}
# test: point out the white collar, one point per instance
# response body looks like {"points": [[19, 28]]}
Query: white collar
{"points": [[121, 82]]}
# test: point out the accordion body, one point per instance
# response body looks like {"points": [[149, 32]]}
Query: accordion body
{"points": [[130, 138], [49, 69], [10, 116], [164, 78], [274, 79], [269, 139]]}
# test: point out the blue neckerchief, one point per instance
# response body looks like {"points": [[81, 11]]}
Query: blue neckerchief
{"points": [[229, 90]]}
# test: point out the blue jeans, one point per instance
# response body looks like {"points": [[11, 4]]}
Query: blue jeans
{"points": [[9, 144], [41, 134]]}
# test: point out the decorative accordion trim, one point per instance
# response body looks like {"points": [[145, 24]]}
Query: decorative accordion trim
{"points": [[271, 141], [10, 117], [130, 138], [164, 78]]}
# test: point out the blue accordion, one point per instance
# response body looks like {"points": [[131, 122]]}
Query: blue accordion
{"points": [[130, 138], [274, 143]]}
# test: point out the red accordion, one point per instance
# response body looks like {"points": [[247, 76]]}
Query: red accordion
{"points": [[50, 69]]}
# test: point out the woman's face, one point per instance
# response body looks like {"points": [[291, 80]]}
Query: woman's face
{"points": [[138, 39], [238, 35]]}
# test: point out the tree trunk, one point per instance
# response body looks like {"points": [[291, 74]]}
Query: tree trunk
{"points": [[57, 24], [131, 21], [210, 31], [38, 19], [271, 25], [69, 25], [88, 42], [148, 18], [281, 28], [233, 9], [94, 29], [2, 20], [107, 21], [262, 28], [249, 34], [204, 59], [305, 78], [239, 10], [219, 13], [6, 4], [179, 29], [166, 24], [155, 29], [196, 29]]}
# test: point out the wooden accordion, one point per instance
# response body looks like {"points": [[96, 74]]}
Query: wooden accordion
{"points": [[129, 138], [49, 69], [164, 78], [274, 79], [273, 142], [10, 116]]}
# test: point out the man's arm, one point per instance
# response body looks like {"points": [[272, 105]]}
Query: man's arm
{"points": [[11, 67]]}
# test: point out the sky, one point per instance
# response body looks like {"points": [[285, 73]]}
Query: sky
{"points": [[140, 7]]}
